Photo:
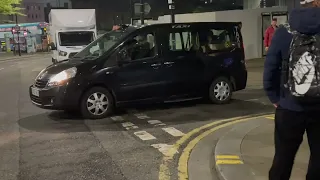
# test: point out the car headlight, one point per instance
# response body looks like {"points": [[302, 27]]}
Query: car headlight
{"points": [[62, 53], [62, 77]]}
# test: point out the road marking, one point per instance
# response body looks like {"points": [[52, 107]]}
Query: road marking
{"points": [[228, 159], [252, 100], [173, 131], [164, 171], [156, 123], [1, 69], [117, 118], [163, 148], [183, 160], [270, 117], [129, 126], [144, 135], [142, 116]]}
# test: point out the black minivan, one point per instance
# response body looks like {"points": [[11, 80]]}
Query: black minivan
{"points": [[146, 64]]}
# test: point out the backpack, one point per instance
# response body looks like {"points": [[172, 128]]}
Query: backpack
{"points": [[301, 71]]}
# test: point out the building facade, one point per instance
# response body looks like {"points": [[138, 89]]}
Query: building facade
{"points": [[34, 11]]}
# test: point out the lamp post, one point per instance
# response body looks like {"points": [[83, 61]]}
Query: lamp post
{"points": [[142, 11], [17, 28], [172, 8]]}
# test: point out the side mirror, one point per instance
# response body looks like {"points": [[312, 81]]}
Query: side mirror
{"points": [[123, 56], [52, 46]]}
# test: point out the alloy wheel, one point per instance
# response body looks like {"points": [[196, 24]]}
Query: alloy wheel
{"points": [[97, 103], [221, 91]]}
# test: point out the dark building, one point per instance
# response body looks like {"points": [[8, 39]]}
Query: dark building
{"points": [[48, 8]]}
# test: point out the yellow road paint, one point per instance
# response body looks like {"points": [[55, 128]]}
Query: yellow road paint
{"points": [[227, 157], [164, 172], [183, 161], [228, 161], [270, 117]]}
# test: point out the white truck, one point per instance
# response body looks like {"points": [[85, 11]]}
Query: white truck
{"points": [[70, 31]]}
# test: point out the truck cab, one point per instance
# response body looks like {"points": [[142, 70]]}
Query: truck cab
{"points": [[69, 43]]}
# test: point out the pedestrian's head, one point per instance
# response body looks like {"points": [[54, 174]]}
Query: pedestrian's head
{"points": [[310, 3], [274, 22]]}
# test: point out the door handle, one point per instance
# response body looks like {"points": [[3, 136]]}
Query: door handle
{"points": [[168, 63], [156, 65]]}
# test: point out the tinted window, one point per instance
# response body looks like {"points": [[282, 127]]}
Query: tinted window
{"points": [[217, 39], [141, 46], [184, 40]]}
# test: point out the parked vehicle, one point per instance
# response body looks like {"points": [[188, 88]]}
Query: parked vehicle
{"points": [[147, 64], [70, 31]]}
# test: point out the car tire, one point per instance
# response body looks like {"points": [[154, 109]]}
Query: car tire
{"points": [[97, 103], [220, 91]]}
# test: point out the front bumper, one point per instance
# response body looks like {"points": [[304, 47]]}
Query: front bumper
{"points": [[49, 98]]}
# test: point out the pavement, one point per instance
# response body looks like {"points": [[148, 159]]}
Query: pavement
{"points": [[11, 56], [239, 149], [140, 143]]}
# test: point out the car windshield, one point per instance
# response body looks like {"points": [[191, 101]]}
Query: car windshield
{"points": [[98, 47]]}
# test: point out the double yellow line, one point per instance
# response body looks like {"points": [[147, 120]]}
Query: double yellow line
{"points": [[164, 171]]}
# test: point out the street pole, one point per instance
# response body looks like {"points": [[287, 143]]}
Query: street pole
{"points": [[172, 8], [18, 32], [173, 35], [131, 12], [142, 11]]}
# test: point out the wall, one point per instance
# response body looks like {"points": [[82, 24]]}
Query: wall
{"points": [[251, 27]]}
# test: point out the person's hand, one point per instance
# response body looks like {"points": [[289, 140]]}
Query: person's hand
{"points": [[275, 105], [266, 48]]}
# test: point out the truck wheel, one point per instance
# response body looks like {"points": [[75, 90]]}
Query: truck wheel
{"points": [[220, 91], [97, 103], [54, 61]]}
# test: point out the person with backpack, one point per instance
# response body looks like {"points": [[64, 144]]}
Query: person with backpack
{"points": [[291, 80]]}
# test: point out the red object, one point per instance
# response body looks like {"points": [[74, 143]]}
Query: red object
{"points": [[116, 27], [268, 36]]}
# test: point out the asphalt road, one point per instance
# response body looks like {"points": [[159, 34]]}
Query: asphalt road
{"points": [[38, 144]]}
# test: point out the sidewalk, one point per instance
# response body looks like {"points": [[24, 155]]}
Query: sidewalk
{"points": [[245, 151], [11, 56]]}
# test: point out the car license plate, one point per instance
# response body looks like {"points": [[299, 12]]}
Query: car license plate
{"points": [[35, 92]]}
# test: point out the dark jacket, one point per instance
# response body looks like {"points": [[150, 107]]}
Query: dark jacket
{"points": [[304, 20]]}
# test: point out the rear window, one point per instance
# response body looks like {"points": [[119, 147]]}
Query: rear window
{"points": [[210, 40], [219, 39]]}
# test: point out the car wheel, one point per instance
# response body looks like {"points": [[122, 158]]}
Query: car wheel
{"points": [[97, 103], [220, 91]]}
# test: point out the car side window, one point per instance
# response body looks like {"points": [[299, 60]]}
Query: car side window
{"points": [[217, 40], [141, 46], [184, 41]]}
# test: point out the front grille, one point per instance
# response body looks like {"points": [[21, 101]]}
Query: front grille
{"points": [[36, 99], [72, 54], [41, 83]]}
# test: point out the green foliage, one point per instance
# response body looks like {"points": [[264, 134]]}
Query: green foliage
{"points": [[10, 7]]}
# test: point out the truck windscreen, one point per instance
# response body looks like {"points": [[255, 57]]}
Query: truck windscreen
{"points": [[76, 38]]}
